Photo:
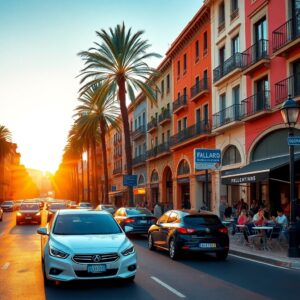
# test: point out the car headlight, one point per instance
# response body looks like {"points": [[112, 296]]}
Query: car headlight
{"points": [[37, 214], [128, 251], [19, 214], [57, 253]]}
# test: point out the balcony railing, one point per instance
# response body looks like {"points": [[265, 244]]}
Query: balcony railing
{"points": [[227, 115], [141, 159], [117, 140], [164, 116], [255, 104], [152, 124], [157, 150], [255, 53], [199, 87], [139, 132], [286, 33], [117, 171], [234, 14], [179, 103], [230, 64], [193, 131], [288, 86]]}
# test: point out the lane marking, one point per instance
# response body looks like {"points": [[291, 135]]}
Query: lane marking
{"points": [[5, 266], [260, 262], [168, 287]]}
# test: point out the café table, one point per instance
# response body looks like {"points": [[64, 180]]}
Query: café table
{"points": [[263, 230]]}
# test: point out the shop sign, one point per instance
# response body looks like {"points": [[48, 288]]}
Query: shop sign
{"points": [[294, 140], [130, 180], [207, 159]]}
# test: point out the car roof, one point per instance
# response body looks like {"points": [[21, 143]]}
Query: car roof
{"points": [[82, 212]]}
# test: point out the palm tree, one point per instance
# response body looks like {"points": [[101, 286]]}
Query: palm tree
{"points": [[94, 116], [5, 150], [118, 64]]}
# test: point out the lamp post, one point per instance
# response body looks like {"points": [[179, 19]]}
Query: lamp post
{"points": [[290, 112]]}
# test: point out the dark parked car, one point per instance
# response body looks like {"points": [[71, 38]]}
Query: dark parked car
{"points": [[136, 219], [8, 205], [29, 212], [177, 231]]}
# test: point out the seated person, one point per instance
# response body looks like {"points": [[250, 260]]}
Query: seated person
{"points": [[259, 218], [243, 218], [281, 218]]}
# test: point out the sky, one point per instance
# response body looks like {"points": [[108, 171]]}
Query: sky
{"points": [[39, 65]]}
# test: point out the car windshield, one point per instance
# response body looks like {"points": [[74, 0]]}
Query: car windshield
{"points": [[83, 224], [197, 220], [29, 206], [57, 206], [138, 211], [7, 202]]}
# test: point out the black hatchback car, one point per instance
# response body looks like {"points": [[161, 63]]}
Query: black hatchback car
{"points": [[136, 219], [183, 230]]}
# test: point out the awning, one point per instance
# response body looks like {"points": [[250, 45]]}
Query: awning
{"points": [[255, 171], [139, 191]]}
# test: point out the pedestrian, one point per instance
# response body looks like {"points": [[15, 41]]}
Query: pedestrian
{"points": [[157, 210], [222, 208]]}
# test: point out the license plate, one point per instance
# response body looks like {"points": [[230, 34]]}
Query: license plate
{"points": [[143, 221], [207, 245], [96, 268], [28, 218]]}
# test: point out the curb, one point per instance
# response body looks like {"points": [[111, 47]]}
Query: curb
{"points": [[276, 262]]}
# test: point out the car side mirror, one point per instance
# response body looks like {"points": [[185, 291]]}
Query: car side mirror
{"points": [[42, 231]]}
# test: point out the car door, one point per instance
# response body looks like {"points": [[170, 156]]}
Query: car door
{"points": [[168, 228], [157, 231]]}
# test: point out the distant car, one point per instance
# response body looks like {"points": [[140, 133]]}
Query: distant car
{"points": [[177, 231], [18, 204], [8, 205], [1, 214], [29, 212], [85, 245], [54, 207], [72, 204], [84, 205], [137, 219], [107, 207]]}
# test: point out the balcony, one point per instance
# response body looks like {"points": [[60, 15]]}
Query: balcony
{"points": [[139, 132], [180, 103], [158, 151], [164, 117], [229, 68], [117, 171], [288, 86], [286, 37], [255, 105], [234, 14], [256, 56], [139, 160], [191, 133], [199, 89], [152, 125], [227, 116]]}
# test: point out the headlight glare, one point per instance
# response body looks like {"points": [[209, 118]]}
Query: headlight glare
{"points": [[57, 253], [128, 251]]}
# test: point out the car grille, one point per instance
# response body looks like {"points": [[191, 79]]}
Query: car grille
{"points": [[86, 274], [88, 258]]}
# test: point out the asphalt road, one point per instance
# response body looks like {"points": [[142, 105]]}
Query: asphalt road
{"points": [[158, 277]]}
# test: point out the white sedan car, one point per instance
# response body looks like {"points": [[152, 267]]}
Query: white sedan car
{"points": [[85, 245]]}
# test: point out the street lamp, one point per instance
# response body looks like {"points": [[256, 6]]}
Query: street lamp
{"points": [[290, 112]]}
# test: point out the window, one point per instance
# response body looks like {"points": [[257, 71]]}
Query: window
{"points": [[178, 69], [154, 176], [162, 88], [168, 83], [205, 80], [184, 94], [135, 124], [234, 9], [183, 168], [198, 115], [184, 63], [236, 101], [168, 135], [221, 55], [205, 42], [221, 16], [156, 141], [205, 114], [184, 122], [231, 156], [197, 51], [162, 138], [179, 125], [144, 119], [235, 45]]}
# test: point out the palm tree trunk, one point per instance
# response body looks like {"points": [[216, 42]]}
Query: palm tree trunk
{"points": [[88, 173], [95, 174], [104, 157], [128, 150], [82, 177]]}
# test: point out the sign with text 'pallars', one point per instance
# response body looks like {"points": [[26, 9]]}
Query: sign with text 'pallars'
{"points": [[207, 159]]}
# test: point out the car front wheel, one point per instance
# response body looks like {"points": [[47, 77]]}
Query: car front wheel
{"points": [[150, 242]]}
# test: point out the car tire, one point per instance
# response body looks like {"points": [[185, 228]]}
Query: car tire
{"points": [[150, 242], [222, 255], [173, 250]]}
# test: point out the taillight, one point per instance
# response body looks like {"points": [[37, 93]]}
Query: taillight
{"points": [[183, 230], [223, 230], [129, 220], [153, 220]]}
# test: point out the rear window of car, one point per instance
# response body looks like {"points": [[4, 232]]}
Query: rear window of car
{"points": [[58, 206], [29, 206], [84, 224], [201, 220], [138, 211], [7, 202]]}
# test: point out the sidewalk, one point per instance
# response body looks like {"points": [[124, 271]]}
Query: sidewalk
{"points": [[274, 256]]}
